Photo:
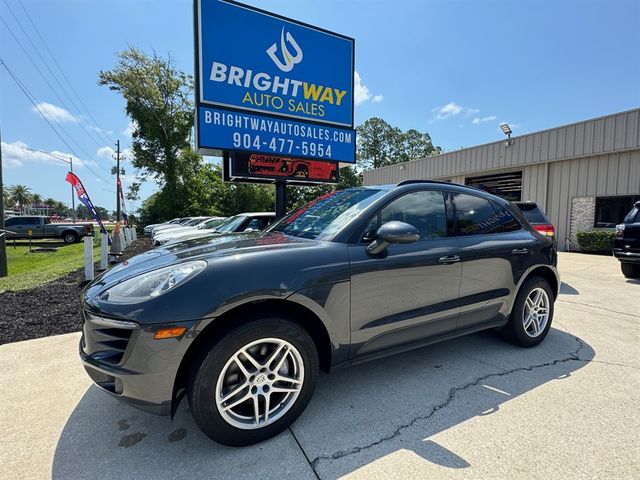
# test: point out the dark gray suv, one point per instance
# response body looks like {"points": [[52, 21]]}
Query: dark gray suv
{"points": [[242, 324]]}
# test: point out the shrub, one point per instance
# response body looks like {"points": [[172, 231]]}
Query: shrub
{"points": [[596, 240]]}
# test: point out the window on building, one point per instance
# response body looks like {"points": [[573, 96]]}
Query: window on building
{"points": [[611, 211]]}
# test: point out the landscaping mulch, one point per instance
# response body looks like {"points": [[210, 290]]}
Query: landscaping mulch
{"points": [[49, 309]]}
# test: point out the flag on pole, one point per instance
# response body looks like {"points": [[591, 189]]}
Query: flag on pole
{"points": [[83, 196]]}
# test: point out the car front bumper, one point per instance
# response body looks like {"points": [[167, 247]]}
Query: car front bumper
{"points": [[126, 361]]}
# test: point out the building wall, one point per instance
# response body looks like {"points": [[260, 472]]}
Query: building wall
{"points": [[599, 136], [600, 175]]}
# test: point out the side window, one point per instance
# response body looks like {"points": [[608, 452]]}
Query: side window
{"points": [[25, 221], [255, 224], [10, 222], [424, 210], [476, 216], [508, 222]]}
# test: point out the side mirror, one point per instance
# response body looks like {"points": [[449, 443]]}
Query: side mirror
{"points": [[390, 233]]}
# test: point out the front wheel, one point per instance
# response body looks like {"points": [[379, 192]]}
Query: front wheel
{"points": [[70, 237], [254, 382], [630, 270], [532, 313]]}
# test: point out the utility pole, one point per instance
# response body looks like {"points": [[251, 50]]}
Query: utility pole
{"points": [[117, 172], [3, 243], [73, 197]]}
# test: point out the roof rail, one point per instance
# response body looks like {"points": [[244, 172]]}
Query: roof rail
{"points": [[409, 182]]}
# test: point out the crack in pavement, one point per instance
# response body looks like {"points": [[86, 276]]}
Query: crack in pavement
{"points": [[572, 356], [304, 453]]}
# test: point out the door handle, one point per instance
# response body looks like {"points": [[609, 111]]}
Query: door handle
{"points": [[520, 251], [449, 259]]}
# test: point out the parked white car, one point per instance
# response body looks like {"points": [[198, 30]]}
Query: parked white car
{"points": [[165, 235]]}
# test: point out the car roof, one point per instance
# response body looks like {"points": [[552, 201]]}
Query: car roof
{"points": [[255, 214]]}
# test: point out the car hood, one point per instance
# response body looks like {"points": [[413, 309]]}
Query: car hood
{"points": [[202, 248]]}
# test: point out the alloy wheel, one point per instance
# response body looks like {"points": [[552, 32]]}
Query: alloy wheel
{"points": [[536, 312], [259, 383]]}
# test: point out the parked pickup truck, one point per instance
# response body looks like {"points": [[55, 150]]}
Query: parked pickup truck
{"points": [[626, 246], [41, 227]]}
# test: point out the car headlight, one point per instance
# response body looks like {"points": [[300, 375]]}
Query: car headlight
{"points": [[152, 284]]}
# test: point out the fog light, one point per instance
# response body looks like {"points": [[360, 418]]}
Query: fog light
{"points": [[171, 332]]}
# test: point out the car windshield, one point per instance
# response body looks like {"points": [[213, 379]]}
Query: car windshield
{"points": [[214, 222], [324, 217], [231, 224]]}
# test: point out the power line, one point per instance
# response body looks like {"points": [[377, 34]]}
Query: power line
{"points": [[55, 61], [34, 102], [71, 138], [53, 74], [50, 86]]}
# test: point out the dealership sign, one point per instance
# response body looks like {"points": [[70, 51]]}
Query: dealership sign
{"points": [[268, 84]]}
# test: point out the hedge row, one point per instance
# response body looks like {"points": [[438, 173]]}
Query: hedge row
{"points": [[596, 240]]}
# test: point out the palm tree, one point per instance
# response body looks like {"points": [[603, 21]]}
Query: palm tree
{"points": [[20, 194], [36, 198]]}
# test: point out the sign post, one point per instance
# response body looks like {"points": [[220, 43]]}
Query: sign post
{"points": [[271, 92]]}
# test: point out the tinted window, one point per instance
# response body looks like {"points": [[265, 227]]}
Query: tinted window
{"points": [[424, 210], [9, 222], [633, 216], [28, 221], [473, 215], [532, 213], [256, 224]]}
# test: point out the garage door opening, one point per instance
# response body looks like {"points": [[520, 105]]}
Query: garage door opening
{"points": [[505, 185]]}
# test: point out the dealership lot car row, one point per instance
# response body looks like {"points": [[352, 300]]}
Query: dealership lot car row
{"points": [[241, 324]]}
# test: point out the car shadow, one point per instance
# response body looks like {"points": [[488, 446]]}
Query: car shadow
{"points": [[358, 416]]}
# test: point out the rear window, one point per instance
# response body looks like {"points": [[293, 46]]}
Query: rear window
{"points": [[532, 213], [633, 216]]}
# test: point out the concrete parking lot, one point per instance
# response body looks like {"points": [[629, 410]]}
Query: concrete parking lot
{"points": [[474, 407]]}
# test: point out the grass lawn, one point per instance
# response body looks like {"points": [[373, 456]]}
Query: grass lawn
{"points": [[27, 270]]}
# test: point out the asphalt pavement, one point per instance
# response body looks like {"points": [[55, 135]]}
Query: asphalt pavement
{"points": [[475, 407]]}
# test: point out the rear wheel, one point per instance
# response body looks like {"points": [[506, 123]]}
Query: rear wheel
{"points": [[254, 382], [532, 313], [70, 237], [630, 270]]}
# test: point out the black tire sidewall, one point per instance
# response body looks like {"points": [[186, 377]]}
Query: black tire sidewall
{"points": [[515, 328], [630, 270], [70, 238], [202, 384]]}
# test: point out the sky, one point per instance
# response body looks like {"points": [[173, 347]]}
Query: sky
{"points": [[453, 68]]}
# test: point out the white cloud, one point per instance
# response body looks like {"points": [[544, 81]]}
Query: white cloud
{"points": [[55, 113], [16, 154], [452, 109], [362, 93], [484, 119], [105, 152]]}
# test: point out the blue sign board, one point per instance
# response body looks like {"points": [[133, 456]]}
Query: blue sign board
{"points": [[232, 130], [259, 66]]}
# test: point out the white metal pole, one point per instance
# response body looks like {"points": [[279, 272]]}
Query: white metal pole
{"points": [[88, 257], [104, 244]]}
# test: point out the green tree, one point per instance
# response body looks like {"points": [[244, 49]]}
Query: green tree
{"points": [[20, 194], [36, 199], [160, 101], [415, 145], [377, 143]]}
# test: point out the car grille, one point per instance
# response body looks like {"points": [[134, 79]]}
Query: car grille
{"points": [[106, 340]]}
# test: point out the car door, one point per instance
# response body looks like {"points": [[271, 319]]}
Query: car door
{"points": [[409, 292], [495, 252]]}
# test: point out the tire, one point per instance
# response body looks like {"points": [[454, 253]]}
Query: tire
{"points": [[219, 371], [630, 270], [70, 237], [522, 329]]}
